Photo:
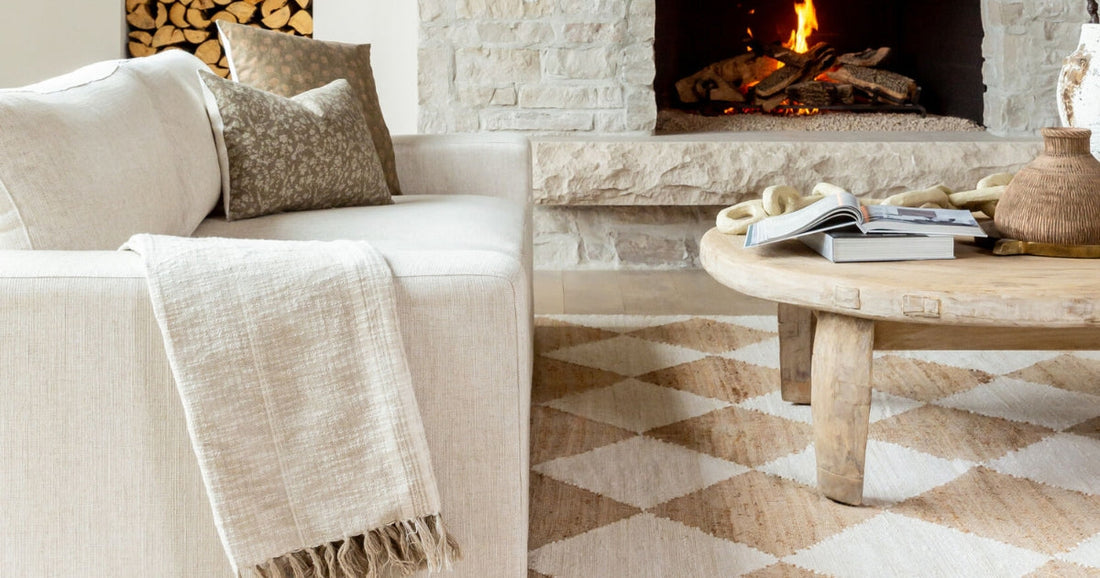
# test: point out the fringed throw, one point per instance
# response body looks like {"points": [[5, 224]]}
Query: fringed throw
{"points": [[405, 546], [290, 365]]}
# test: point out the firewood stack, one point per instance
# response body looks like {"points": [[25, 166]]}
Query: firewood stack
{"points": [[815, 79], [158, 25]]}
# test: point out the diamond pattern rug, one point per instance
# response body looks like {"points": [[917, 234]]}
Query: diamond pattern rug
{"points": [[661, 448]]}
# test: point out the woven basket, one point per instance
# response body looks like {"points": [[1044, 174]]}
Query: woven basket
{"points": [[1056, 197]]}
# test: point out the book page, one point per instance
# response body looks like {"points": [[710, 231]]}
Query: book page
{"points": [[828, 213], [887, 218]]}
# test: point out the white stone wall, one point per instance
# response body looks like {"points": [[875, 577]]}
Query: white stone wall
{"points": [[586, 66], [642, 237], [546, 66], [1024, 44]]}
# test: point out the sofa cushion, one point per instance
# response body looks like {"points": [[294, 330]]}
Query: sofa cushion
{"points": [[117, 148], [289, 65], [419, 223], [282, 154]]}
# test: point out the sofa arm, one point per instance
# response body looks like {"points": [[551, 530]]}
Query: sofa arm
{"points": [[93, 442], [68, 264], [483, 164]]}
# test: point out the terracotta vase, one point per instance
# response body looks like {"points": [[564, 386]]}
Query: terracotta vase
{"points": [[1056, 197], [1079, 85]]}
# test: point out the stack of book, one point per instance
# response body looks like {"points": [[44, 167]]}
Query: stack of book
{"points": [[843, 230]]}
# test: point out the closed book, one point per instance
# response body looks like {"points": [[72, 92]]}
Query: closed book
{"points": [[847, 247]]}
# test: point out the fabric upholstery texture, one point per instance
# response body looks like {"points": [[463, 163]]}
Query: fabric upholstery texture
{"points": [[292, 154], [93, 441], [288, 355], [94, 444], [90, 158], [465, 164], [289, 65], [413, 223]]}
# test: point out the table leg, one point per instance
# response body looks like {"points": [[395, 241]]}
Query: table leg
{"points": [[796, 346], [841, 403]]}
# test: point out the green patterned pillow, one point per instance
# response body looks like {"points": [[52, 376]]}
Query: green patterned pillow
{"points": [[288, 65], [292, 154]]}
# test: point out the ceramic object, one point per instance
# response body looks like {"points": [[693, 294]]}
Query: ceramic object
{"points": [[1056, 197], [1079, 85]]}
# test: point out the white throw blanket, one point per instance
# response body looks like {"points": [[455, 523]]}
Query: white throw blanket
{"points": [[290, 365]]}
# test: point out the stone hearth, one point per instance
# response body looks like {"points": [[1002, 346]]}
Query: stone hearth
{"points": [[576, 75], [644, 201]]}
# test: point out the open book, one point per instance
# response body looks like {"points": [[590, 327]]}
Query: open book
{"points": [[843, 210]]}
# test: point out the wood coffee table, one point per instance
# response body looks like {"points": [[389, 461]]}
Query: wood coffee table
{"points": [[833, 315]]}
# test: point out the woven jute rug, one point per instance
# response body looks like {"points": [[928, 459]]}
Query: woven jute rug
{"points": [[661, 448]]}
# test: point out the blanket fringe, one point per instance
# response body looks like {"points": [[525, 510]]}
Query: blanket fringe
{"points": [[405, 546]]}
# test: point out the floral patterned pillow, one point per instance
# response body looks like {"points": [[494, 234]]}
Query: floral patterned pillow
{"points": [[288, 65], [282, 154]]}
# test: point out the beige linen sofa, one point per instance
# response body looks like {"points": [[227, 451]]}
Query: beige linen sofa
{"points": [[97, 475]]}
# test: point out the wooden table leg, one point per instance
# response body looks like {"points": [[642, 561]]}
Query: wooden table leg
{"points": [[796, 347], [841, 403]]}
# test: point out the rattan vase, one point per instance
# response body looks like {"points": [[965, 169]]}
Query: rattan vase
{"points": [[1055, 198]]}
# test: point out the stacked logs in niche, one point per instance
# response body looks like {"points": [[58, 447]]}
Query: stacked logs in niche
{"points": [[158, 25], [817, 78]]}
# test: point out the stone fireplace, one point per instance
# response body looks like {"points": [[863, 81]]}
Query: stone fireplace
{"points": [[584, 79]]}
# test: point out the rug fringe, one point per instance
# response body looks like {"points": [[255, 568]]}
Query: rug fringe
{"points": [[405, 546]]}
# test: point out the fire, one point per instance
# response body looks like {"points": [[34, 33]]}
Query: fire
{"points": [[807, 24], [799, 42]]}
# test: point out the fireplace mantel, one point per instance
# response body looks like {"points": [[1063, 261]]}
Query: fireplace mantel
{"points": [[721, 169]]}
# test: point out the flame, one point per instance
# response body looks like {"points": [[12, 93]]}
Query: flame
{"points": [[807, 24]]}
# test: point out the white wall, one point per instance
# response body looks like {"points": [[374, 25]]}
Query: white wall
{"points": [[391, 27], [44, 38]]}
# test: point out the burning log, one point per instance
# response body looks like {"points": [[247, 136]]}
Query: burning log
{"points": [[870, 58], [770, 104], [778, 81], [722, 80], [897, 88], [813, 63], [819, 94], [789, 57]]}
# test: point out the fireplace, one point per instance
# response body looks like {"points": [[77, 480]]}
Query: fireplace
{"points": [[936, 43], [603, 66], [584, 79]]}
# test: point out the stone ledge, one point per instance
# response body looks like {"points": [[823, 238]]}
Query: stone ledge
{"points": [[727, 168]]}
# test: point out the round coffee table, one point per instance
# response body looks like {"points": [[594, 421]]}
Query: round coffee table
{"points": [[833, 315]]}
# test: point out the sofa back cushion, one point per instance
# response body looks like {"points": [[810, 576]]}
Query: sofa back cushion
{"points": [[116, 148]]}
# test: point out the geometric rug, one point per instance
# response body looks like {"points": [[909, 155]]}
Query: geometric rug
{"points": [[661, 448]]}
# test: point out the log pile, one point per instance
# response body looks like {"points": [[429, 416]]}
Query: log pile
{"points": [[158, 25], [771, 75]]}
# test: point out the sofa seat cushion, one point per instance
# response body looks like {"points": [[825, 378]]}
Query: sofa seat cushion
{"points": [[435, 223]]}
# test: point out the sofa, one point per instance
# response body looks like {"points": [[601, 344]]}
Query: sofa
{"points": [[97, 473]]}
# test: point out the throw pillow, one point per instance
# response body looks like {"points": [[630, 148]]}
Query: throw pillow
{"points": [[291, 154], [288, 65]]}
